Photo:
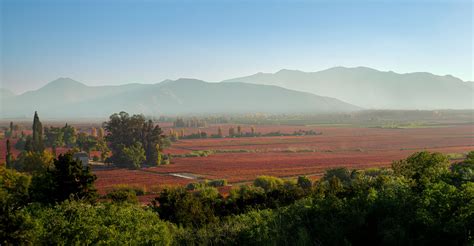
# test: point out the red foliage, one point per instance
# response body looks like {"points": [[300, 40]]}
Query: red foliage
{"points": [[108, 179], [338, 146]]}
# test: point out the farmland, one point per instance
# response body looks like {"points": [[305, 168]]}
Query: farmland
{"points": [[240, 160], [347, 142]]}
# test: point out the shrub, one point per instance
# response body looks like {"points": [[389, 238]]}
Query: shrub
{"points": [[217, 182], [195, 186], [304, 182], [121, 196], [138, 190], [268, 182]]}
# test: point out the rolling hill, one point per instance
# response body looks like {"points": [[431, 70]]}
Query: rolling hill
{"points": [[65, 97], [373, 89]]}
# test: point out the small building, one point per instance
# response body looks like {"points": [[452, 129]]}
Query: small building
{"points": [[83, 157]]}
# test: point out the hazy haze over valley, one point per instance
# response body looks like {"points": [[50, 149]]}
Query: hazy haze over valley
{"points": [[70, 98]]}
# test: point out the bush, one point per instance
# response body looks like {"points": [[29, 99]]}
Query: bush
{"points": [[217, 183], [195, 186], [29, 161], [268, 182], [121, 196], [138, 190], [206, 183], [304, 182], [187, 208]]}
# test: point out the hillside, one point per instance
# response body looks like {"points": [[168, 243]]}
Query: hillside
{"points": [[68, 98], [370, 88]]}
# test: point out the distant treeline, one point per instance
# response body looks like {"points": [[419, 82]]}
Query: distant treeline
{"points": [[363, 117], [236, 132]]}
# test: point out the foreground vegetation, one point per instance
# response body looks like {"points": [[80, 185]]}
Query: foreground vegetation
{"points": [[421, 200]]}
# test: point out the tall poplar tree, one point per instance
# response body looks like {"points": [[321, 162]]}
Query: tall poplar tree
{"points": [[37, 141], [9, 156]]}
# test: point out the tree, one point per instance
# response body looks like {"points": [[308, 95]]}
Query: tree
{"points": [[186, 208], [100, 133], [239, 130], [70, 135], [304, 182], [20, 144], [152, 137], [85, 142], [231, 132], [94, 132], [76, 223], [6, 133], [219, 132], [135, 155], [29, 161], [54, 136], [159, 160], [67, 179], [268, 183], [103, 148], [422, 167], [11, 131], [125, 131], [16, 226], [28, 146], [463, 172], [9, 156], [37, 144], [341, 173], [252, 129]]}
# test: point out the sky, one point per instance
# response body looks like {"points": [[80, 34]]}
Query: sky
{"points": [[107, 42]]}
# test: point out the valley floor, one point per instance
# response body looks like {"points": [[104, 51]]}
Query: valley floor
{"points": [[241, 160]]}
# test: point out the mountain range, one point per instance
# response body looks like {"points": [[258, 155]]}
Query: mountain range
{"points": [[65, 97], [373, 89], [333, 90]]}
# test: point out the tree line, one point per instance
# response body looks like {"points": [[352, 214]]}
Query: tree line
{"points": [[124, 140], [236, 132]]}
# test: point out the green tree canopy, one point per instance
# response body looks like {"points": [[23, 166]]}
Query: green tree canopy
{"points": [[67, 179], [124, 131], [134, 155]]}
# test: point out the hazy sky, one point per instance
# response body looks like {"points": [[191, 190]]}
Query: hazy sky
{"points": [[116, 42]]}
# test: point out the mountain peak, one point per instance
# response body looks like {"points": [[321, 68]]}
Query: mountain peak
{"points": [[63, 84], [287, 71], [186, 81], [64, 81], [342, 69]]}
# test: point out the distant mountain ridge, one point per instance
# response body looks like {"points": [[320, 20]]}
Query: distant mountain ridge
{"points": [[65, 97], [370, 88]]}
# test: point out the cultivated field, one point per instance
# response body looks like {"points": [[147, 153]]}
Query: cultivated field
{"points": [[242, 159]]}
